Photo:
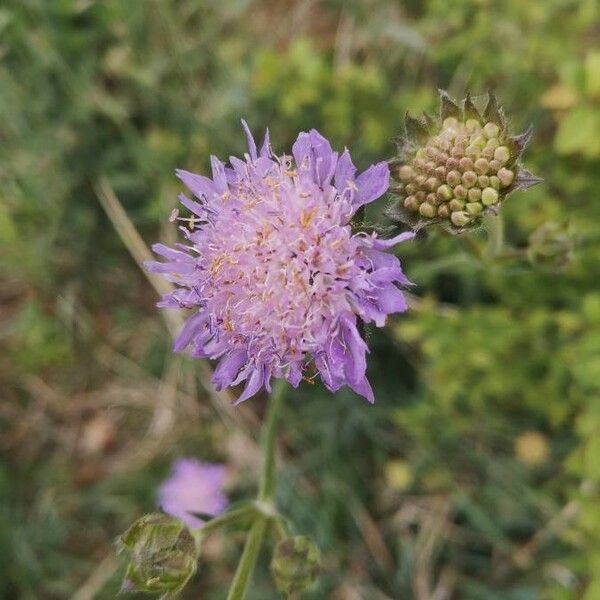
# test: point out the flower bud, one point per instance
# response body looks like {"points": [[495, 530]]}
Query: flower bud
{"points": [[457, 157], [163, 554], [453, 178], [469, 179], [474, 195], [491, 130], [443, 211], [460, 192], [460, 218], [474, 208], [551, 245], [296, 564], [489, 196], [427, 210], [502, 154], [506, 177], [481, 166], [406, 173], [444, 192]]}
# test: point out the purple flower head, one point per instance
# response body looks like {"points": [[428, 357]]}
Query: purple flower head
{"points": [[276, 277], [193, 487]]}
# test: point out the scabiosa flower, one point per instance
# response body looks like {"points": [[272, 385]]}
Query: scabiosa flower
{"points": [[454, 170], [193, 487], [276, 277]]}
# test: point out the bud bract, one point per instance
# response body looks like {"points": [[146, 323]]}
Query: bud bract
{"points": [[296, 564], [162, 553]]}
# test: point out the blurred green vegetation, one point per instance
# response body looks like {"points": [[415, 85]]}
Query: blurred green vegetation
{"points": [[477, 473]]}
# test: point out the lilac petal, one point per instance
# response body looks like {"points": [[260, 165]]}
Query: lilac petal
{"points": [[356, 367], [228, 368], [391, 300], [253, 385], [345, 171], [294, 374], [301, 149], [364, 389], [380, 244], [192, 205], [372, 184], [325, 159], [191, 327], [250, 140], [265, 151], [218, 173], [200, 186], [170, 253]]}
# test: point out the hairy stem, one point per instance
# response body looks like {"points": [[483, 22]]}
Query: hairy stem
{"points": [[266, 491]]}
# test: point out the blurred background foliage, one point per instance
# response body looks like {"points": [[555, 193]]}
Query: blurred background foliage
{"points": [[477, 473]]}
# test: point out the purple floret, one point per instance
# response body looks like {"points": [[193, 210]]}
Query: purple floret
{"points": [[275, 277]]}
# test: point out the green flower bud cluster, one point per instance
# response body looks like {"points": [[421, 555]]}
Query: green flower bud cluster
{"points": [[551, 246], [296, 564], [455, 170], [162, 553]]}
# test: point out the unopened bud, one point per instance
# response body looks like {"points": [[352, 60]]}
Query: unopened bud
{"points": [[506, 177], [460, 192], [427, 210], [472, 125], [469, 179], [453, 178], [474, 195], [163, 554], [489, 196], [443, 211], [491, 130], [444, 192], [465, 164], [296, 564], [411, 203], [495, 165], [483, 181], [474, 208], [460, 218], [406, 173], [495, 182], [456, 205], [502, 154], [481, 166]]}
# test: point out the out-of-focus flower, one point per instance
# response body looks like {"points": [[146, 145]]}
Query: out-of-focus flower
{"points": [[193, 489], [276, 277], [454, 170], [163, 555], [296, 564], [532, 448], [551, 245]]}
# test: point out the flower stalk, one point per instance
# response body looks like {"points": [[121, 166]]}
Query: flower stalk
{"points": [[266, 492]]}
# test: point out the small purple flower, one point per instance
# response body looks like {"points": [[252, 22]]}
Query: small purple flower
{"points": [[275, 276], [193, 487]]}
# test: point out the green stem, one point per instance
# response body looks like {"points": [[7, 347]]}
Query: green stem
{"points": [[226, 518], [495, 230], [243, 574], [245, 568], [267, 476]]}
